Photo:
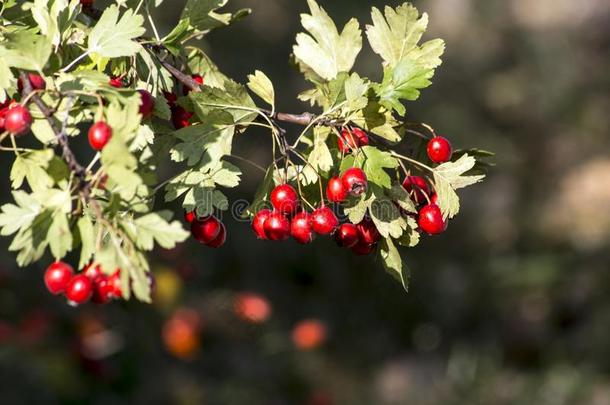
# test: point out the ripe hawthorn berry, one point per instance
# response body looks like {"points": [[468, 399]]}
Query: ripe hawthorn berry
{"points": [[79, 289], [285, 199], [277, 226], [93, 272], [431, 221], [417, 187], [147, 103], [439, 150], [335, 191], [251, 307], [324, 221], [115, 283], [197, 78], [99, 135], [171, 98], [57, 276], [103, 291], [220, 240], [17, 120], [347, 235], [205, 230], [300, 228], [189, 216], [87, 3], [258, 223], [368, 232], [363, 249], [352, 140], [354, 181], [116, 82], [36, 81], [181, 117]]}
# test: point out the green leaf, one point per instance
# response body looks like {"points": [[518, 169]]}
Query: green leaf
{"points": [[204, 15], [320, 157], [385, 214], [226, 175], [403, 82], [25, 50], [393, 264], [374, 162], [87, 237], [400, 196], [15, 217], [205, 144], [157, 227], [260, 85], [357, 211], [355, 92], [233, 99], [173, 40], [397, 36], [32, 166], [411, 236], [323, 50], [59, 236], [449, 177], [113, 37]]}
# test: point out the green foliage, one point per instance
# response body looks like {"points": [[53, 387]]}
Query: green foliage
{"points": [[107, 209]]}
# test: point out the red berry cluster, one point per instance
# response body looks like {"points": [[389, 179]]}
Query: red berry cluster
{"points": [[180, 116], [91, 284], [288, 219], [352, 139], [429, 218], [209, 230]]}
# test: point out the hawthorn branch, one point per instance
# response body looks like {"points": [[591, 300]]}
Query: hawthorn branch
{"points": [[60, 134]]}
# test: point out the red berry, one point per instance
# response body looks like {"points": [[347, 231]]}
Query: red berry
{"points": [[347, 235], [57, 276], [17, 120], [86, 3], [258, 223], [36, 81], [354, 181], [220, 239], [115, 283], [116, 82], [171, 98], [181, 117], [363, 249], [431, 220], [439, 150], [205, 230], [103, 291], [190, 216], [434, 198], [147, 103], [79, 289], [417, 187], [197, 78], [335, 191], [93, 272], [351, 140], [368, 232], [285, 199], [324, 221], [277, 226], [99, 135], [300, 228]]}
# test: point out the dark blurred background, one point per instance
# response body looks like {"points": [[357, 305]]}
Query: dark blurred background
{"points": [[510, 306]]}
